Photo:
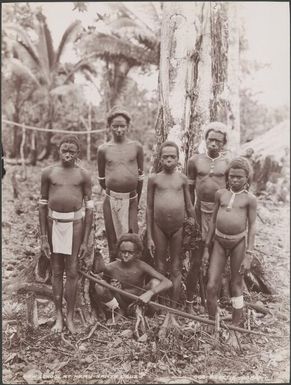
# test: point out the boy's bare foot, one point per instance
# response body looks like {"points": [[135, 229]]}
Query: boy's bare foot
{"points": [[71, 326], [233, 340], [163, 329], [59, 325], [173, 322], [189, 307], [114, 319]]}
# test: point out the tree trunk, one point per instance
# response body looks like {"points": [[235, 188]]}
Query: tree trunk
{"points": [[120, 73], [33, 153], [178, 39], [16, 137], [233, 118], [200, 114], [219, 56]]}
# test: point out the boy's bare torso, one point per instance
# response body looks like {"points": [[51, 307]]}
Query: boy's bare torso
{"points": [[232, 221], [121, 168], [210, 176], [130, 277], [65, 188], [169, 201]]}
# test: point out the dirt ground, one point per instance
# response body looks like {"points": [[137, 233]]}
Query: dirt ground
{"points": [[111, 354]]}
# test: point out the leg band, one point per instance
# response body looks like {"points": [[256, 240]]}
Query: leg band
{"points": [[113, 304], [237, 302]]}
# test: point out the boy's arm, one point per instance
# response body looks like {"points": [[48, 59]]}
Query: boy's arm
{"points": [[210, 233], [101, 166], [43, 212], [140, 161], [164, 284], [191, 173], [212, 222], [89, 207], [252, 212], [188, 204], [149, 214]]}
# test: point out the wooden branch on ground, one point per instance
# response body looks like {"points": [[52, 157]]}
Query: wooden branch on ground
{"points": [[171, 310], [258, 308], [39, 289]]}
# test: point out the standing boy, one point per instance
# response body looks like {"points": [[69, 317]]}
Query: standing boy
{"points": [[168, 200], [64, 233], [233, 230], [206, 174], [120, 167]]}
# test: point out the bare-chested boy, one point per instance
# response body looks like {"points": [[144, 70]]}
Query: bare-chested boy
{"points": [[168, 200], [120, 167], [206, 174], [64, 233], [132, 275], [233, 231]]}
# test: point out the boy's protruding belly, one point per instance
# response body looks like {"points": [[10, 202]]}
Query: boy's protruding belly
{"points": [[121, 181], [233, 222], [169, 212]]}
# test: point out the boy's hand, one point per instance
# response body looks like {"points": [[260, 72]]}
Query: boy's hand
{"points": [[205, 260], [246, 264], [146, 297], [151, 247], [83, 250], [44, 246]]}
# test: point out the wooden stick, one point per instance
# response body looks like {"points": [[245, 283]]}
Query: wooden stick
{"points": [[171, 310]]}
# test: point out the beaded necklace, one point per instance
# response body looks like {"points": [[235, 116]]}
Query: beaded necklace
{"points": [[212, 164], [229, 206]]}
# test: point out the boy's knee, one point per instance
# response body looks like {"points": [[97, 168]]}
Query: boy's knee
{"points": [[161, 267], [72, 273], [154, 282], [211, 289], [176, 273]]}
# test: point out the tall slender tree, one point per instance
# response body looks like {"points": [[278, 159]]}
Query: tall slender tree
{"points": [[41, 64]]}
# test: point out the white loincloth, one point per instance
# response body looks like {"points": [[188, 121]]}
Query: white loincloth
{"points": [[62, 230], [119, 204], [206, 209]]}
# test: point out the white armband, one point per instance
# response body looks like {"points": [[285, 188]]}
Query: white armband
{"points": [[237, 302], [43, 202], [89, 204], [191, 181], [113, 304], [141, 177], [101, 178]]}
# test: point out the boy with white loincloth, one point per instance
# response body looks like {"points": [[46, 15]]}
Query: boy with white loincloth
{"points": [[64, 233], [120, 168], [233, 231]]}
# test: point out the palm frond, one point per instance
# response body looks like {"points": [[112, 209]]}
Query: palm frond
{"points": [[125, 26], [30, 52], [69, 34], [65, 89], [113, 48], [49, 45], [81, 65], [18, 68], [43, 53], [23, 35]]}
